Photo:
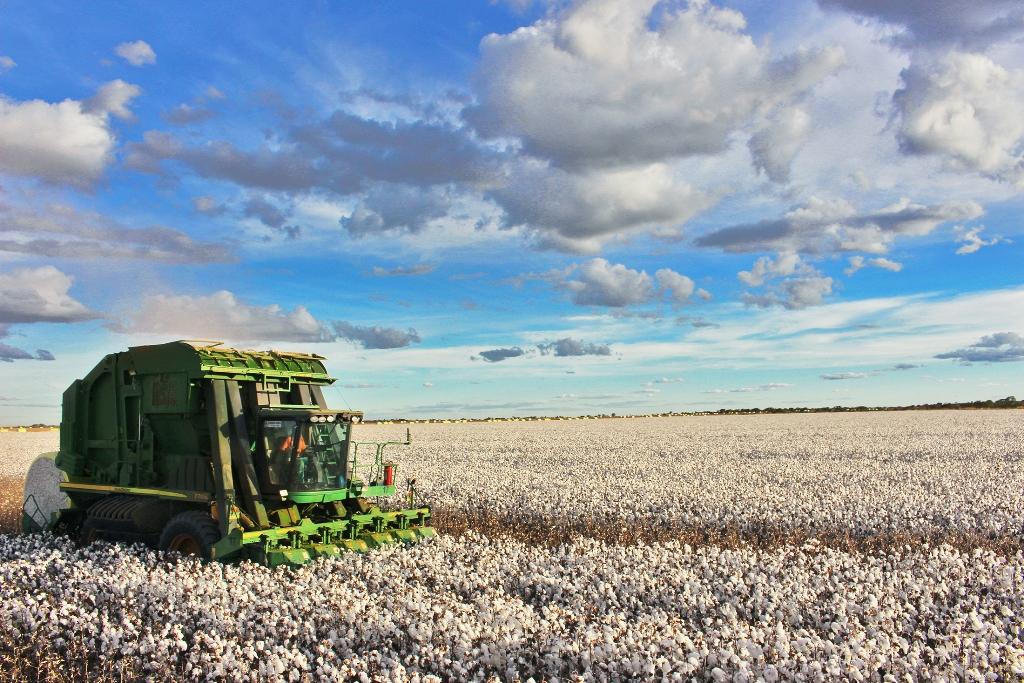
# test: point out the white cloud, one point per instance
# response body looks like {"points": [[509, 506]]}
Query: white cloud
{"points": [[971, 240], [679, 288], [136, 53], [598, 282], [774, 145], [222, 315], [62, 142], [580, 211], [859, 262], [765, 268], [397, 208], [802, 285], [844, 375], [567, 346], [60, 231], [611, 82], [794, 293], [32, 295], [821, 226], [942, 22], [771, 386], [113, 98], [886, 264], [966, 109], [1001, 347], [6, 63]]}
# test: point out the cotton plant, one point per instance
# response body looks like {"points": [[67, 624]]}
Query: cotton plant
{"points": [[785, 599]]}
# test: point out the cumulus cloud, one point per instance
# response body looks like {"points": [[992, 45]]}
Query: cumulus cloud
{"points": [[941, 22], [859, 262], [401, 208], [598, 282], [604, 98], [678, 288], [113, 98], [966, 109], [262, 210], [775, 145], [341, 155], [766, 268], [35, 295], [136, 53], [498, 355], [9, 354], [793, 293], [375, 336], [837, 376], [418, 269], [68, 142], [1001, 347], [606, 82], [801, 285], [564, 347], [59, 231], [270, 215], [822, 226], [568, 346], [578, 212], [970, 240], [222, 315]]}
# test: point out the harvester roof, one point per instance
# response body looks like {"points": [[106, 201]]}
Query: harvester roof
{"points": [[210, 359]]}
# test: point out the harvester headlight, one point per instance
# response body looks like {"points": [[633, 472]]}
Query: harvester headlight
{"points": [[330, 418], [318, 418], [357, 419]]}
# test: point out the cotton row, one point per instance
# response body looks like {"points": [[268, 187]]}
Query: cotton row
{"points": [[471, 608]]}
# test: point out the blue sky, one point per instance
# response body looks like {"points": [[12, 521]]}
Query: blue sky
{"points": [[522, 207]]}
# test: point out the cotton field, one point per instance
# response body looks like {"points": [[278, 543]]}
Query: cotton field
{"points": [[829, 475], [863, 546]]}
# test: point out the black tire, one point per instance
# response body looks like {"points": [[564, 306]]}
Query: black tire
{"points": [[190, 533], [87, 532]]}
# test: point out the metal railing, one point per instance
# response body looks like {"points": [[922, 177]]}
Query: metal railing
{"points": [[372, 473]]}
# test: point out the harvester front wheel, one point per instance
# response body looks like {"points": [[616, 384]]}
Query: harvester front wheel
{"points": [[190, 533]]}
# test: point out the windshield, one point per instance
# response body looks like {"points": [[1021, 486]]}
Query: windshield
{"points": [[305, 456]]}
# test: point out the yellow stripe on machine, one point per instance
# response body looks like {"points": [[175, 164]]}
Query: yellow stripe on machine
{"points": [[197, 496]]}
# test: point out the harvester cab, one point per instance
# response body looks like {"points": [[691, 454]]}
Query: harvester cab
{"points": [[221, 453]]}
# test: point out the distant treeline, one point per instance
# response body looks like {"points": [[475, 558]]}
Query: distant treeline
{"points": [[1008, 402]]}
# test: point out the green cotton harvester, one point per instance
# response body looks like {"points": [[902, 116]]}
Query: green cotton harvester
{"points": [[225, 454]]}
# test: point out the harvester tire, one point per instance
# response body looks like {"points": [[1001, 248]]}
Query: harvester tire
{"points": [[190, 533], [87, 532]]}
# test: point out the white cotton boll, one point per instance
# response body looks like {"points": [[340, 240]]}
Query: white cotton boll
{"points": [[486, 606]]}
